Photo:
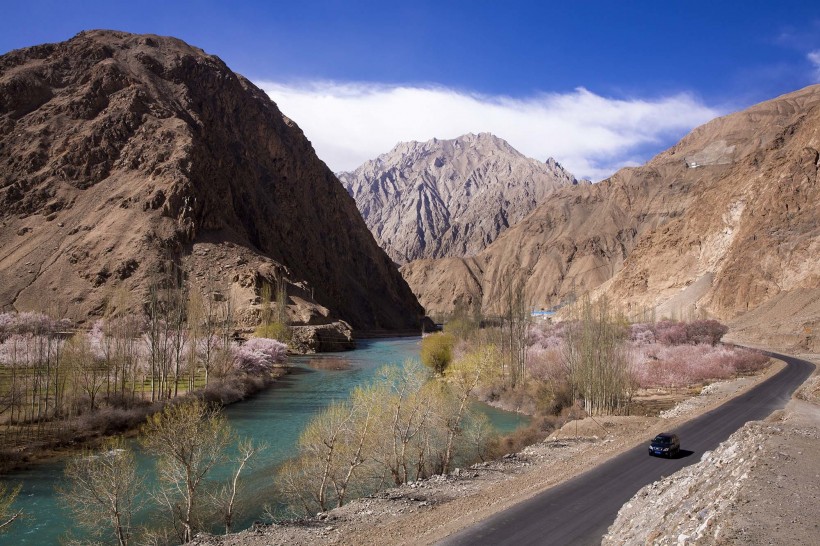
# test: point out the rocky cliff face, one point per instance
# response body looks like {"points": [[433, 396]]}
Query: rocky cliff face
{"points": [[120, 153], [722, 223], [445, 198], [752, 227]]}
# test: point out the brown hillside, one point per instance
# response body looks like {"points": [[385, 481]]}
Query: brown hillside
{"points": [[723, 223], [119, 153]]}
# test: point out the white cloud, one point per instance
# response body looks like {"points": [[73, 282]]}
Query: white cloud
{"points": [[814, 59], [591, 135]]}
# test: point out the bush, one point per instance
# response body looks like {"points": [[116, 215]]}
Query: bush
{"points": [[234, 388], [521, 438], [460, 327], [274, 330], [705, 331], [259, 355], [671, 333], [437, 351], [681, 365], [108, 421]]}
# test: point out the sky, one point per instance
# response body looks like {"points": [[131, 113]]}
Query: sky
{"points": [[595, 84]]}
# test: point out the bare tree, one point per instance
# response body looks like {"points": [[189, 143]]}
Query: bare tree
{"points": [[595, 359], [274, 320], [225, 498], [401, 427], [189, 439], [103, 487], [89, 375], [515, 327], [463, 377]]}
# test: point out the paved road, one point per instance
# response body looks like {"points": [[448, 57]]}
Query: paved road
{"points": [[580, 510]]}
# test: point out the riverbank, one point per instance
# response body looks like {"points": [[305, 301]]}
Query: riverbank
{"points": [[92, 429], [430, 510]]}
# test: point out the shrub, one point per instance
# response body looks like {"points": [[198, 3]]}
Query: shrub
{"points": [[642, 333], [274, 330], [518, 440], [677, 366], [671, 333], [705, 331], [460, 327], [109, 421], [437, 351], [546, 365], [259, 355]]}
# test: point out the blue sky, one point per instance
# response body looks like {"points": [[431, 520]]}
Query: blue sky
{"points": [[596, 84]]}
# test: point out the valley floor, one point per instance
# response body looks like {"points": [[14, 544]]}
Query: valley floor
{"points": [[428, 511]]}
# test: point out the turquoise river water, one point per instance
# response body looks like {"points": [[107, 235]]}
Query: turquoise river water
{"points": [[275, 416]]}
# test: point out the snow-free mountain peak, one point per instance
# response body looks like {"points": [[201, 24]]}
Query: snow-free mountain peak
{"points": [[449, 197]]}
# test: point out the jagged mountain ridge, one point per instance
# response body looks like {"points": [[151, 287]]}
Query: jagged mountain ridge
{"points": [[121, 152], [453, 197], [723, 223]]}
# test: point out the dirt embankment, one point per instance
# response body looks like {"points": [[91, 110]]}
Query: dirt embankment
{"points": [[761, 486], [425, 512]]}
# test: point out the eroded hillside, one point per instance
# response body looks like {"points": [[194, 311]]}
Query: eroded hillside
{"points": [[120, 153], [722, 223]]}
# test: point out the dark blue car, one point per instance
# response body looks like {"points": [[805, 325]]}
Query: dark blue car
{"points": [[665, 445]]}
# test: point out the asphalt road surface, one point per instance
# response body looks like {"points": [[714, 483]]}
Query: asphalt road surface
{"points": [[580, 510]]}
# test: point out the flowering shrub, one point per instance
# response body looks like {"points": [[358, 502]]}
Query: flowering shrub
{"points": [[662, 354], [642, 333], [671, 333], [547, 337], [705, 331], [668, 332], [259, 355], [546, 364], [680, 365], [28, 323]]}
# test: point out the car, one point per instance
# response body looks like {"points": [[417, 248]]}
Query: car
{"points": [[665, 444]]}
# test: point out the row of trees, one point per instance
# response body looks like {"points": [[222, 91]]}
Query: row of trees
{"points": [[49, 372]]}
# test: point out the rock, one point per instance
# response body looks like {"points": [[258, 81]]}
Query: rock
{"points": [[337, 336]]}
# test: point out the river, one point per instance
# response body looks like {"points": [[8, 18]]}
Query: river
{"points": [[275, 416]]}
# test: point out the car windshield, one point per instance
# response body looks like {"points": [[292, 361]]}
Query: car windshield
{"points": [[662, 440]]}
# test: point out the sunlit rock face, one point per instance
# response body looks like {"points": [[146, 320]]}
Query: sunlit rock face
{"points": [[444, 198]]}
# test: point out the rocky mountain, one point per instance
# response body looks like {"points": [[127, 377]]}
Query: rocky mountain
{"points": [[120, 154], [445, 198], [724, 223]]}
